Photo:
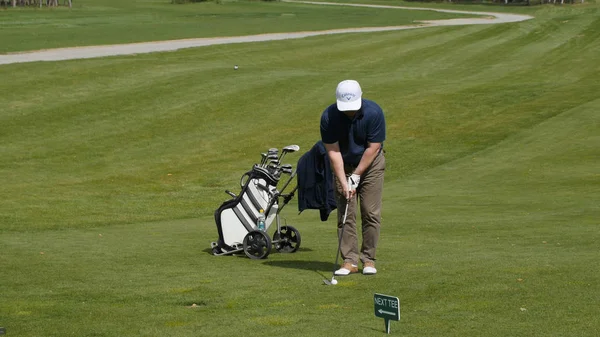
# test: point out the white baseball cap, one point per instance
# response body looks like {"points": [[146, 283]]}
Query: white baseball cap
{"points": [[348, 95]]}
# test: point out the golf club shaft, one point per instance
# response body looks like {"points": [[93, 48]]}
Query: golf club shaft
{"points": [[337, 253]]}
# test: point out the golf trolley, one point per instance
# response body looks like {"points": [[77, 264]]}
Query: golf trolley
{"points": [[236, 219]]}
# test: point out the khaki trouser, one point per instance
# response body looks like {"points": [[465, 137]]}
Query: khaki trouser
{"points": [[369, 196]]}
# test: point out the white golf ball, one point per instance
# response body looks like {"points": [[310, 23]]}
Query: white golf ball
{"points": [[333, 281], [235, 67]]}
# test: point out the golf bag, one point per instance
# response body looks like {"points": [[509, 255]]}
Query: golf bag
{"points": [[236, 219]]}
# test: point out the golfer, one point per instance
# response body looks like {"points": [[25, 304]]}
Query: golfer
{"points": [[353, 131]]}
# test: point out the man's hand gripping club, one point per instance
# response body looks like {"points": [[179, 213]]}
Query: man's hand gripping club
{"points": [[353, 181], [349, 184]]}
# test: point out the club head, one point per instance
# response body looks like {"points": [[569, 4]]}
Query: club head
{"points": [[331, 282], [270, 157], [291, 148], [287, 149]]}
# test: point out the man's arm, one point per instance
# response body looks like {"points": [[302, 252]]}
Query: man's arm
{"points": [[367, 158], [337, 164]]}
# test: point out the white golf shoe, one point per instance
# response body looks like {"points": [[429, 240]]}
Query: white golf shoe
{"points": [[369, 268], [346, 269]]}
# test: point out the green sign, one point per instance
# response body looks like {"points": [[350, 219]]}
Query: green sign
{"points": [[388, 308]]}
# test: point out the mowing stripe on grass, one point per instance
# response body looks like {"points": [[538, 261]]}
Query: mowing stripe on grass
{"points": [[150, 47]]}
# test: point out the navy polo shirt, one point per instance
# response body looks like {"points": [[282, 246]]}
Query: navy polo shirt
{"points": [[353, 134]]}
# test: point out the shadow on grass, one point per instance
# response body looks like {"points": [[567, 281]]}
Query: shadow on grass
{"points": [[274, 251], [316, 266], [324, 269]]}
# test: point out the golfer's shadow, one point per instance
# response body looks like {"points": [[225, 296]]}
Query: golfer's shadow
{"points": [[316, 266]]}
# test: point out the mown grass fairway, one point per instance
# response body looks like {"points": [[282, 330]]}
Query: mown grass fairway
{"points": [[91, 22], [111, 169]]}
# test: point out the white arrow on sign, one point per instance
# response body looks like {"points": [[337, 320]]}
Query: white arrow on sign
{"points": [[381, 311]]}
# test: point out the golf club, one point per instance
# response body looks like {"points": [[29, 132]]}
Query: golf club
{"points": [[263, 158], [270, 157], [273, 169], [287, 149], [286, 168], [337, 253]]}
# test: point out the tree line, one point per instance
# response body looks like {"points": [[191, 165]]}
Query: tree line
{"points": [[40, 3]]}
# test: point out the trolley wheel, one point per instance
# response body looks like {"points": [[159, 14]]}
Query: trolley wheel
{"points": [[288, 240], [257, 245]]}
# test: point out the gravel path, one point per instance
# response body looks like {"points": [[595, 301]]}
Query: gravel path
{"points": [[60, 54]]}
